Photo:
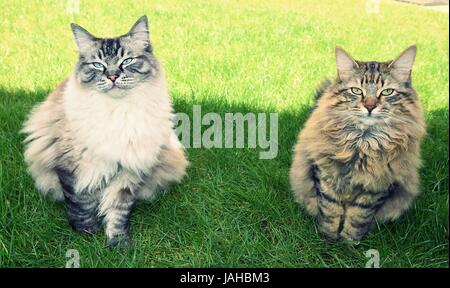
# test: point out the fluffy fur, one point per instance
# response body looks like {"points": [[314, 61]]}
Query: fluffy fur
{"points": [[101, 149], [357, 158]]}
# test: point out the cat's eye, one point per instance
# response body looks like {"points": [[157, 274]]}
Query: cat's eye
{"points": [[387, 92], [356, 91], [97, 65], [127, 61]]}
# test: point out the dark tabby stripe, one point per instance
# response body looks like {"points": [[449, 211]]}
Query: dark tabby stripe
{"points": [[109, 47], [81, 208], [336, 215], [372, 73]]}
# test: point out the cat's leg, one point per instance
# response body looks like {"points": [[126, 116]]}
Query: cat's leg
{"points": [[401, 198], [303, 180], [81, 207], [116, 204], [319, 199], [360, 214], [330, 211], [170, 169]]}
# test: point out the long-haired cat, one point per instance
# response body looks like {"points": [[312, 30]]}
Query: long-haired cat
{"points": [[104, 138], [357, 158]]}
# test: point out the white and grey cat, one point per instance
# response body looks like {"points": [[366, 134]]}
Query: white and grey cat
{"points": [[104, 138]]}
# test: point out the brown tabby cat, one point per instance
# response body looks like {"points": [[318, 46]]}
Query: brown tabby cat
{"points": [[357, 158]]}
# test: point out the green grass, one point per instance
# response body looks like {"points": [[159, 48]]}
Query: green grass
{"points": [[232, 210]]}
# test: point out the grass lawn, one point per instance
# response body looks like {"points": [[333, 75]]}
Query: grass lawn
{"points": [[232, 210]]}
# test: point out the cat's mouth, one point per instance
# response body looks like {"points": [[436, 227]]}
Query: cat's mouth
{"points": [[114, 86], [117, 84], [369, 113]]}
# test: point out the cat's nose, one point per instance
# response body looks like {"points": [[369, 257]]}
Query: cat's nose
{"points": [[113, 77], [370, 103], [369, 107]]}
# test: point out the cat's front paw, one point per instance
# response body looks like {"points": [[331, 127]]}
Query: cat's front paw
{"points": [[354, 231], [90, 227], [121, 242], [352, 239], [329, 235]]}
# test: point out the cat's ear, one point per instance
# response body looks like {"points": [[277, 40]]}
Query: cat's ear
{"points": [[140, 30], [83, 38], [344, 63], [402, 66]]}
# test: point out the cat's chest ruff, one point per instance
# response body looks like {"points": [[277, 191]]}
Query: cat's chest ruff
{"points": [[364, 157], [128, 131], [368, 141]]}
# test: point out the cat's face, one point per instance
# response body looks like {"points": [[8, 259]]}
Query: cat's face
{"points": [[373, 91], [115, 65]]}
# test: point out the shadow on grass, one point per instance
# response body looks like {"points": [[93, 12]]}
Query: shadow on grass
{"points": [[233, 180]]}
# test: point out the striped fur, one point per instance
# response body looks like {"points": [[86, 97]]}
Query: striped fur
{"points": [[357, 158], [100, 148]]}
